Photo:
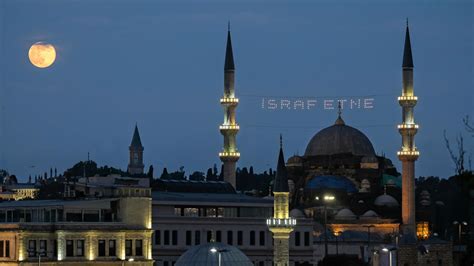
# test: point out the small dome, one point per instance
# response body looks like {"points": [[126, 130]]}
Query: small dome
{"points": [[370, 214], [339, 138], [333, 182], [345, 214], [294, 161], [297, 213], [386, 201], [202, 256]]}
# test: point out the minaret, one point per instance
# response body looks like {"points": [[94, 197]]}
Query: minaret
{"points": [[229, 155], [408, 153], [281, 225], [135, 165]]}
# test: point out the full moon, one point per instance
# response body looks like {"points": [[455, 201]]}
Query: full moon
{"points": [[42, 54]]}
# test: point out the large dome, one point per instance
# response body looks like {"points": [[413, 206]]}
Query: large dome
{"points": [[202, 256], [339, 138]]}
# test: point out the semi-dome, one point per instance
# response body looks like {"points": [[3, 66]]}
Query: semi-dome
{"points": [[332, 182], [339, 138], [203, 256], [369, 214], [297, 213], [345, 214], [386, 201]]}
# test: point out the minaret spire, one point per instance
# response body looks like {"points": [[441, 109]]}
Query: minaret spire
{"points": [[281, 225], [229, 129], [408, 153]]}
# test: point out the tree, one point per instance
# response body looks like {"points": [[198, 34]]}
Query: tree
{"points": [[456, 156], [150, 172], [197, 176], [467, 124], [164, 174]]}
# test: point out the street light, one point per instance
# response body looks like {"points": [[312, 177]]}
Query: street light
{"points": [[459, 224], [218, 251], [368, 240], [40, 253], [389, 250], [327, 199], [336, 234]]}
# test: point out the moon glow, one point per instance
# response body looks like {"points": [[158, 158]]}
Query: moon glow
{"points": [[42, 55]]}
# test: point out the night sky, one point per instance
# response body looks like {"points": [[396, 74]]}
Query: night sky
{"points": [[161, 65]]}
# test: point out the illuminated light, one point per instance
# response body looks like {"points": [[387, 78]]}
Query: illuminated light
{"points": [[229, 154], [422, 230], [329, 197], [233, 127], [229, 100], [385, 249], [408, 98], [408, 153], [408, 126]]}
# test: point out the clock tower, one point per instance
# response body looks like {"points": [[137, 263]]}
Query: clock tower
{"points": [[135, 165]]}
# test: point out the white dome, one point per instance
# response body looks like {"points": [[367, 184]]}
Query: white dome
{"points": [[296, 213], [202, 256], [370, 214], [386, 201], [345, 214]]}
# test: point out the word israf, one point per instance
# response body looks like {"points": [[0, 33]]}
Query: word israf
{"points": [[311, 103]]}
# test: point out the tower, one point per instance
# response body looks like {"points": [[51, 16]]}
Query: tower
{"points": [[408, 153], [281, 225], [229, 129], [135, 165]]}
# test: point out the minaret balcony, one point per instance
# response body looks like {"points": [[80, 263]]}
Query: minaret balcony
{"points": [[281, 223], [408, 155], [408, 101], [230, 101], [408, 128], [229, 156], [234, 127]]}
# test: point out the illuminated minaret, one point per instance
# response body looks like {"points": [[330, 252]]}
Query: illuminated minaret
{"points": [[281, 224], [230, 155], [408, 153]]}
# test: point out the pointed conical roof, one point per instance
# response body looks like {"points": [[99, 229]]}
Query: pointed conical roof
{"points": [[136, 141], [281, 177], [229, 56], [407, 58]]}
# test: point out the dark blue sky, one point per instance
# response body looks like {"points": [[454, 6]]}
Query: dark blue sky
{"points": [[161, 65]]}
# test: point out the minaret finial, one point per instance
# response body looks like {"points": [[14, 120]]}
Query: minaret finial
{"points": [[407, 21], [228, 25], [339, 108], [281, 142]]}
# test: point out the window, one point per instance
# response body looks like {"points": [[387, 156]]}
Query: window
{"points": [[101, 248], [252, 238], [167, 237], [1, 249], [79, 248], [211, 212], [188, 238], [240, 238], [112, 250], [55, 248], [297, 239], [209, 236], [230, 236], [69, 248], [138, 247], [32, 248], [197, 238], [177, 212], [175, 237], [191, 212], [128, 247], [262, 238], [306, 239], [7, 248], [165, 263], [157, 237], [43, 247], [219, 236]]}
